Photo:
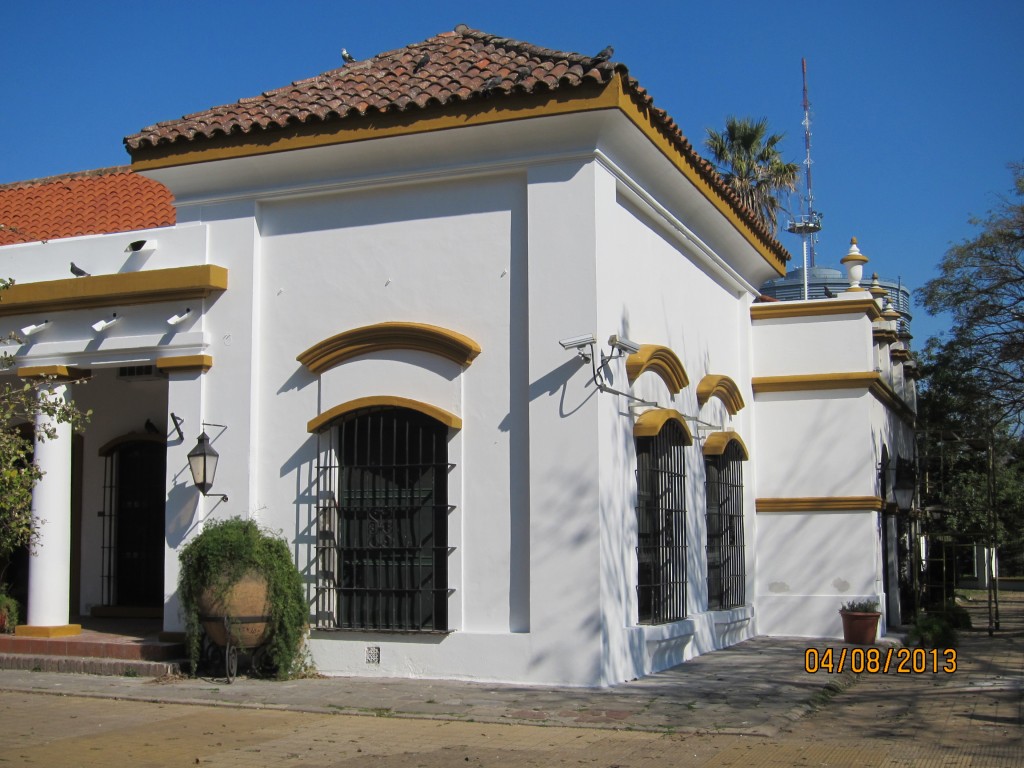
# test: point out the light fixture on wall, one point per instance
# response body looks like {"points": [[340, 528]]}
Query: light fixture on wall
{"points": [[30, 330], [202, 462], [175, 319], [103, 325], [904, 485]]}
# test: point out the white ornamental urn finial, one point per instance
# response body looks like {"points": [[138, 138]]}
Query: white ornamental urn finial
{"points": [[854, 261]]}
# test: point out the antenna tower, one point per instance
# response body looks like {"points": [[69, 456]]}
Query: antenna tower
{"points": [[808, 224]]}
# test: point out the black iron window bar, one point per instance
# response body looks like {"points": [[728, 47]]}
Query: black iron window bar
{"points": [[727, 575]]}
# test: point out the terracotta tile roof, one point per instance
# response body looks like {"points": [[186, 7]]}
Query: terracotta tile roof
{"points": [[88, 203], [453, 67]]}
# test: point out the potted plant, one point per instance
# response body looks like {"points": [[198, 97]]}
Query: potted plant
{"points": [[860, 621], [237, 570], [8, 611]]}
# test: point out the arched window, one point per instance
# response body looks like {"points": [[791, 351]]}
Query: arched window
{"points": [[727, 575], [661, 525], [383, 560]]}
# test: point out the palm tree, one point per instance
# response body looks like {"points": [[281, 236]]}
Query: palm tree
{"points": [[749, 162]]}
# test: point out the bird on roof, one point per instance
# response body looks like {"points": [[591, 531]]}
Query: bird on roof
{"points": [[77, 271], [493, 83], [151, 428], [347, 57], [424, 60], [522, 73], [828, 293], [604, 54]]}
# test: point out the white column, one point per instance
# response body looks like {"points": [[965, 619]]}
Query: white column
{"points": [[49, 573]]}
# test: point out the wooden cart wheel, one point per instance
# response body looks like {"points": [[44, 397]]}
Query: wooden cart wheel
{"points": [[231, 661]]}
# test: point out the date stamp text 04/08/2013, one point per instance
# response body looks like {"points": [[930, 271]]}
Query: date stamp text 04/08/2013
{"points": [[903, 661]]}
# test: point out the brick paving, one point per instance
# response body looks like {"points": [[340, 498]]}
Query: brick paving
{"points": [[744, 707]]}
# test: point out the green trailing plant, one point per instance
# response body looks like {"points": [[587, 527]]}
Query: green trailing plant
{"points": [[932, 630], [217, 559], [860, 606], [8, 608]]}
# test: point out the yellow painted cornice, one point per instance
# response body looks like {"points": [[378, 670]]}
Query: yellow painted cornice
{"points": [[660, 360], [772, 310], [616, 94], [323, 421], [900, 355], [58, 372], [649, 423], [820, 504], [716, 443], [722, 387], [121, 289], [185, 363], [884, 335], [871, 381], [445, 343]]}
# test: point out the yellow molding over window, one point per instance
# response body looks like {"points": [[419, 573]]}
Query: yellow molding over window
{"points": [[324, 420], [649, 423], [773, 310], [722, 387], [716, 443], [201, 363], [123, 288], [616, 94], [328, 353], [60, 372], [820, 504], [660, 360]]}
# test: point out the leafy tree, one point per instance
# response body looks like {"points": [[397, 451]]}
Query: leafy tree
{"points": [[749, 161], [20, 404], [981, 282]]}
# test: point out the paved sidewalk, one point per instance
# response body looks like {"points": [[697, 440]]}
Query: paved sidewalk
{"points": [[757, 688]]}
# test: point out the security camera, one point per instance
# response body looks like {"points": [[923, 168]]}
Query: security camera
{"points": [[623, 344], [578, 342]]}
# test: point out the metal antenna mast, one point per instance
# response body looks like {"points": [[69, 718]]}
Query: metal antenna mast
{"points": [[809, 222]]}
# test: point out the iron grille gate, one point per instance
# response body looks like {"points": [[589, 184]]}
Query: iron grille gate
{"points": [[661, 526], [727, 576], [383, 533]]}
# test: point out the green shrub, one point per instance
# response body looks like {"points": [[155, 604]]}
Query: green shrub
{"points": [[860, 606], [221, 555], [932, 630], [957, 615], [9, 606]]}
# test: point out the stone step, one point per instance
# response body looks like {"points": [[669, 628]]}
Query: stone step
{"points": [[90, 665], [93, 645]]}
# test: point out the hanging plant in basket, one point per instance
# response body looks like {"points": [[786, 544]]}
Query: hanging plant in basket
{"points": [[232, 560]]}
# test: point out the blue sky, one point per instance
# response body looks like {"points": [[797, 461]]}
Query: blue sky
{"points": [[916, 106]]}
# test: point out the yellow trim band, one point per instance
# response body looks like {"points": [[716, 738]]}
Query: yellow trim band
{"points": [[61, 630], [773, 310], [124, 288], [821, 504], [649, 423], [59, 372], [328, 353], [587, 98], [324, 420], [660, 360], [806, 382], [722, 387], [201, 363], [716, 443]]}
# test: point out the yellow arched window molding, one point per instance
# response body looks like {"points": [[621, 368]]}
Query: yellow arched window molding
{"points": [[722, 387], [649, 423], [328, 353], [660, 360], [324, 420], [716, 443]]}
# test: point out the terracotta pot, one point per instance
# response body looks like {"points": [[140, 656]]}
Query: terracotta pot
{"points": [[860, 628], [246, 608]]}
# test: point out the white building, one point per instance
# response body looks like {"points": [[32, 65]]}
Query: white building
{"points": [[361, 303]]}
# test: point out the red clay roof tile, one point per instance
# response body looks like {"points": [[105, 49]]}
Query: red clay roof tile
{"points": [[458, 66], [88, 203]]}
